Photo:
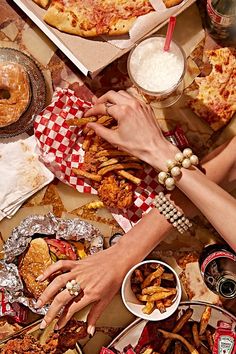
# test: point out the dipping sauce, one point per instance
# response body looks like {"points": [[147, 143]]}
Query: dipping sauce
{"points": [[155, 70]]}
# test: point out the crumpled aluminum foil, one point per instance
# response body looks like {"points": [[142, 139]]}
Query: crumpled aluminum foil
{"points": [[67, 229]]}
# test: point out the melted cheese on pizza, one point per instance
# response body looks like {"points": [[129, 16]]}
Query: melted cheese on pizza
{"points": [[216, 98], [99, 14]]}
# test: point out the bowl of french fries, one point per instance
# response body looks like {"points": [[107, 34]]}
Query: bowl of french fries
{"points": [[151, 290]]}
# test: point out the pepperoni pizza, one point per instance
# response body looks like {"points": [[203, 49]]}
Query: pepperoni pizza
{"points": [[90, 18]]}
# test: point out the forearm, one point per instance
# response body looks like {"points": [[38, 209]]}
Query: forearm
{"points": [[153, 227], [218, 206]]}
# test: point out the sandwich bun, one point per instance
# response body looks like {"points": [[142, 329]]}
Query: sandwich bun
{"points": [[35, 260]]}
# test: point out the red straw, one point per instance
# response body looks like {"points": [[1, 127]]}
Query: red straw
{"points": [[170, 30]]}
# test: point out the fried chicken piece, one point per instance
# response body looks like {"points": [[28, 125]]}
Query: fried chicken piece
{"points": [[90, 162], [57, 343], [66, 338], [115, 193], [25, 345], [8, 327]]}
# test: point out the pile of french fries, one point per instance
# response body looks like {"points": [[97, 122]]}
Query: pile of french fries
{"points": [[103, 159], [198, 340], [155, 286]]}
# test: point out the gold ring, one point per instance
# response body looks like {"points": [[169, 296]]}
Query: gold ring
{"points": [[73, 287]]}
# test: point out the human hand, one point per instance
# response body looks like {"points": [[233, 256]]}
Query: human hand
{"points": [[99, 281], [138, 131]]}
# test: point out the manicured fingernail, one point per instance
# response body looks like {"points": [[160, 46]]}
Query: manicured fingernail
{"points": [[43, 324], [56, 327], [40, 277], [38, 304], [90, 330]]}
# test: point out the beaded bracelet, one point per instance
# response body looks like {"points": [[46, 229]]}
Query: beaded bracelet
{"points": [[171, 213], [183, 159]]}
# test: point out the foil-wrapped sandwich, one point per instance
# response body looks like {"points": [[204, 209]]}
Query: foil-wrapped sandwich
{"points": [[34, 245]]}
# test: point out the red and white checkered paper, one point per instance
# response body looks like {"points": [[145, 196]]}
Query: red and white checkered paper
{"points": [[61, 150]]}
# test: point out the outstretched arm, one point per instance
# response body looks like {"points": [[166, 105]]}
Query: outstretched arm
{"points": [[100, 275], [148, 143], [225, 176]]}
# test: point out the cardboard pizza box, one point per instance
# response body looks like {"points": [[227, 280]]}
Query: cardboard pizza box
{"points": [[82, 51]]}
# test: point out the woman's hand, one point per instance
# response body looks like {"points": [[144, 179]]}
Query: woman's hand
{"points": [[99, 279], [138, 131]]}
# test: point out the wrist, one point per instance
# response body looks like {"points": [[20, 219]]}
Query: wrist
{"points": [[126, 260], [160, 153], [121, 259]]}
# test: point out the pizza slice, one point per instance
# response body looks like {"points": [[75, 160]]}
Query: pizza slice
{"points": [[214, 96], [171, 3], [89, 18], [42, 3]]}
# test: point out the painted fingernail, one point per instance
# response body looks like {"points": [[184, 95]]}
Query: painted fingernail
{"points": [[40, 277], [38, 304], [90, 330], [43, 324]]}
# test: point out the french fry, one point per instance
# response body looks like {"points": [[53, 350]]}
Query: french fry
{"points": [[209, 339], [129, 176], [154, 289], [161, 295], [158, 272], [90, 132], [108, 163], [160, 306], [179, 325], [97, 204], [85, 174], [182, 320], [94, 148], [81, 121], [204, 320], [146, 269], [169, 335], [153, 266], [157, 281], [203, 350], [196, 338], [167, 302], [148, 308], [203, 337], [119, 166], [105, 120], [102, 159], [106, 146], [111, 153], [168, 276], [178, 348], [148, 351], [137, 277], [135, 288], [131, 159], [87, 143], [143, 298]]}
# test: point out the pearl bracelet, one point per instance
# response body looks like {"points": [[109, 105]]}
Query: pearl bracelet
{"points": [[183, 159], [171, 213]]}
